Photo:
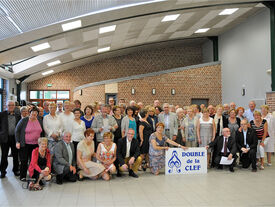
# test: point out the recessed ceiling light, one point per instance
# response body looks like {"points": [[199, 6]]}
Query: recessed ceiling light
{"points": [[71, 25], [107, 29], [54, 63], [202, 30], [47, 72], [172, 17], [104, 49], [39, 47], [228, 11]]}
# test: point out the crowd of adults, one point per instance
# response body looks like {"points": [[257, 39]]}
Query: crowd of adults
{"points": [[102, 140]]}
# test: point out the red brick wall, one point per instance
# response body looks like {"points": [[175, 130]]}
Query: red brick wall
{"points": [[270, 100], [132, 64], [201, 83], [90, 95]]}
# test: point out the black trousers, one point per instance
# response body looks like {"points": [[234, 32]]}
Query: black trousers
{"points": [[249, 158], [75, 149], [67, 175], [218, 158], [5, 147], [25, 154]]}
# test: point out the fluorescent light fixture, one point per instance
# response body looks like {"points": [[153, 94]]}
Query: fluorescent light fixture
{"points": [[47, 72], [54, 63], [228, 11], [71, 25], [172, 17], [202, 30], [104, 49], [39, 47], [107, 29]]}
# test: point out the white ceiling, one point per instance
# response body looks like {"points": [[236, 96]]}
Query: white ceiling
{"points": [[136, 25]]}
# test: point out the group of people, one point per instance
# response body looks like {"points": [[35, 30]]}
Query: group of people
{"points": [[105, 139]]}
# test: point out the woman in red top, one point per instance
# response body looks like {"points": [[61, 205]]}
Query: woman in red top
{"points": [[40, 166]]}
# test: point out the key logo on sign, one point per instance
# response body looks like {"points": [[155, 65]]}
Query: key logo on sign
{"points": [[174, 162]]}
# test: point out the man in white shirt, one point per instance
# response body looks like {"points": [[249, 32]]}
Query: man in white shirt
{"points": [[170, 122], [226, 147], [103, 123], [248, 114], [59, 108]]}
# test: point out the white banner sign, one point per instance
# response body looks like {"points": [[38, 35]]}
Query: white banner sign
{"points": [[190, 161]]}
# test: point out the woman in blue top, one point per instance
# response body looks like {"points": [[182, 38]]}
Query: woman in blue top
{"points": [[129, 122], [88, 117]]}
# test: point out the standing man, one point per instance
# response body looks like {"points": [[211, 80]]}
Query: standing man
{"points": [[170, 122], [103, 122], [8, 122], [248, 114], [59, 108]]}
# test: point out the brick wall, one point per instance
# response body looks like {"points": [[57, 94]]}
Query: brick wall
{"points": [[270, 100], [90, 95], [132, 64], [201, 83]]}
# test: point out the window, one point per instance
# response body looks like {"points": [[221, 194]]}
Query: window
{"points": [[38, 97], [49, 94], [36, 94]]}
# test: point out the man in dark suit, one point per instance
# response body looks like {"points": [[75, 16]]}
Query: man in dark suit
{"points": [[8, 122], [64, 163], [128, 154], [226, 147], [246, 141]]}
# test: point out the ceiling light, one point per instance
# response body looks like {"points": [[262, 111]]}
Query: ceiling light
{"points": [[107, 29], [54, 63], [228, 11], [104, 49], [202, 30], [172, 17], [48, 72], [71, 25], [39, 47]]}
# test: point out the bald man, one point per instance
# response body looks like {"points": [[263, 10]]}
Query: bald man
{"points": [[226, 147]]}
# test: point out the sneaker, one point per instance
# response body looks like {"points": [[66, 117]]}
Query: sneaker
{"points": [[269, 164], [262, 167]]}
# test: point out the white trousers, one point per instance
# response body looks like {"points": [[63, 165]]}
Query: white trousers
{"points": [[260, 148]]}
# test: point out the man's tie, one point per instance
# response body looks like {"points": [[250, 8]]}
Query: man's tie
{"points": [[225, 147]]}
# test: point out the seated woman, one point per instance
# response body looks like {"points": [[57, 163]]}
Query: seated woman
{"points": [[106, 153], [157, 148], [85, 154], [40, 166]]}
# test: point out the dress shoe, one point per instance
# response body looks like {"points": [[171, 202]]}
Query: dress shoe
{"points": [[254, 170], [220, 167], [59, 179], [118, 174], [231, 169], [16, 173], [3, 175], [132, 174]]}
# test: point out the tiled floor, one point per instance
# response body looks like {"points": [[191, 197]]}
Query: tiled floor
{"points": [[216, 188]]}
